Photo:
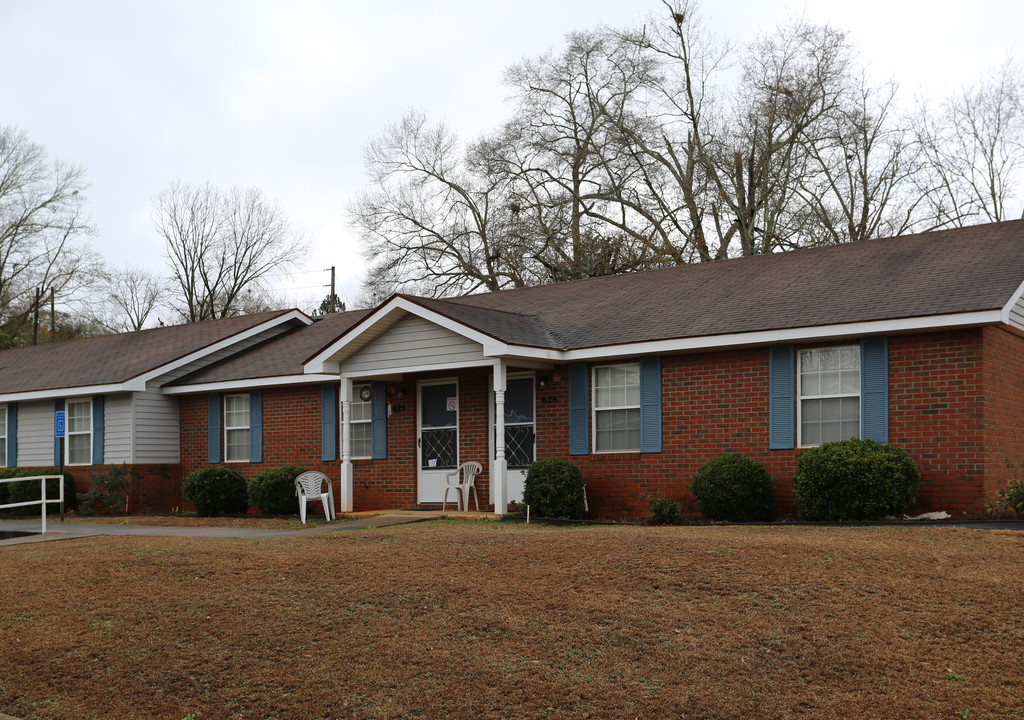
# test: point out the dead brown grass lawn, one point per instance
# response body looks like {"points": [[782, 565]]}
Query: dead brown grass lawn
{"points": [[495, 620]]}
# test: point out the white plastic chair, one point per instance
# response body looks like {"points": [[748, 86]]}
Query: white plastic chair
{"points": [[464, 478], [309, 486]]}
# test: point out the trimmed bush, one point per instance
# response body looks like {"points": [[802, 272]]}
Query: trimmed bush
{"points": [[665, 511], [109, 492], [28, 491], [554, 488], [854, 480], [273, 491], [1012, 498], [734, 488], [216, 490]]}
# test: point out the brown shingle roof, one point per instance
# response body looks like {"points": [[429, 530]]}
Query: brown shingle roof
{"points": [[281, 355], [114, 359], [936, 273]]}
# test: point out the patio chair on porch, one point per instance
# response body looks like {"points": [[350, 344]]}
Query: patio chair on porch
{"points": [[462, 480], [309, 486]]}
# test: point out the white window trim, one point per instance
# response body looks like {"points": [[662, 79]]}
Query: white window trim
{"points": [[224, 414], [594, 409], [3, 437], [368, 421], [799, 391], [68, 433]]}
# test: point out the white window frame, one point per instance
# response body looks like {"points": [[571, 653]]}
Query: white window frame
{"points": [[366, 421], [595, 409], [228, 428], [800, 396], [3, 435], [68, 434]]}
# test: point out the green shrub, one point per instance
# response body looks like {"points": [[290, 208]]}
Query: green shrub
{"points": [[1012, 498], [854, 480], [273, 490], [216, 490], [554, 488], [734, 488], [27, 491], [665, 511], [109, 491]]}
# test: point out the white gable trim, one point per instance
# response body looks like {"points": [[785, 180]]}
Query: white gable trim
{"points": [[248, 383], [325, 362], [1011, 303], [225, 343]]}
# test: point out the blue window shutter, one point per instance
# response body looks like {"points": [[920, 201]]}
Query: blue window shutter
{"points": [[874, 389], [579, 409], [12, 435], [650, 404], [58, 406], [378, 421], [256, 426], [781, 397], [213, 428], [328, 422], [97, 430]]}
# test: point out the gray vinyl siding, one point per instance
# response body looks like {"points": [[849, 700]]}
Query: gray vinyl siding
{"points": [[413, 342], [117, 429], [35, 434], [1017, 314], [156, 428]]}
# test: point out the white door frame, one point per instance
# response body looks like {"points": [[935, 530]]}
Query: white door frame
{"points": [[430, 483]]}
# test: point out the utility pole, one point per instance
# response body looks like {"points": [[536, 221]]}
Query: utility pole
{"points": [[53, 315], [333, 309], [35, 319]]}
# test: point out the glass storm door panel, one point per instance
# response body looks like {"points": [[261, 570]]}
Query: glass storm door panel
{"points": [[520, 434], [438, 441]]}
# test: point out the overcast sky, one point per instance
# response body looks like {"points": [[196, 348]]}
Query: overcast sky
{"points": [[284, 95]]}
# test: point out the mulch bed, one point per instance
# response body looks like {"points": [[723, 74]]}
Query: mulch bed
{"points": [[462, 619]]}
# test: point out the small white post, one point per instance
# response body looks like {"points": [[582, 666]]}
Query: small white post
{"points": [[499, 466], [345, 496], [43, 482]]}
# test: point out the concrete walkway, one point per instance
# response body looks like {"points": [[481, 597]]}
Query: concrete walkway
{"points": [[56, 530]]}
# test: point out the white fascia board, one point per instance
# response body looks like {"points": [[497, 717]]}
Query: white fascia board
{"points": [[248, 384], [324, 360], [1014, 299], [84, 391], [789, 335], [226, 342], [486, 362]]}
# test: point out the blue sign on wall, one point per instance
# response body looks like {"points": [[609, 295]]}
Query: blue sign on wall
{"points": [[59, 423]]}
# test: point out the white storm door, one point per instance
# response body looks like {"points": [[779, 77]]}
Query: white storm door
{"points": [[520, 433], [437, 439]]}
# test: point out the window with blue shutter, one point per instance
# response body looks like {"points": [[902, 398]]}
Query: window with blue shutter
{"points": [[12, 435], [329, 422], [874, 389], [579, 409], [256, 426], [213, 428], [781, 398], [379, 421], [650, 404], [97, 430]]}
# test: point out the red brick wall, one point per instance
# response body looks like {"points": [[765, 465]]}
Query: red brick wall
{"points": [[1004, 408], [152, 489]]}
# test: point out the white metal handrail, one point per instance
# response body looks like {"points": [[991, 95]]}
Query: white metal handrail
{"points": [[43, 500]]}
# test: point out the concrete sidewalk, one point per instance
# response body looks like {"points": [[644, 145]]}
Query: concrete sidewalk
{"points": [[56, 530]]}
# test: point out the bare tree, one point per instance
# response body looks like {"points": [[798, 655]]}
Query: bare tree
{"points": [[221, 247], [42, 220], [127, 299], [974, 151]]}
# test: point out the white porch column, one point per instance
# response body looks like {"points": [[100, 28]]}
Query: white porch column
{"points": [[345, 498], [499, 466]]}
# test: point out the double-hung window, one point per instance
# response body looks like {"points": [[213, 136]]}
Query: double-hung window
{"points": [[617, 408], [3, 436], [360, 421], [829, 394], [236, 428], [79, 432]]}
